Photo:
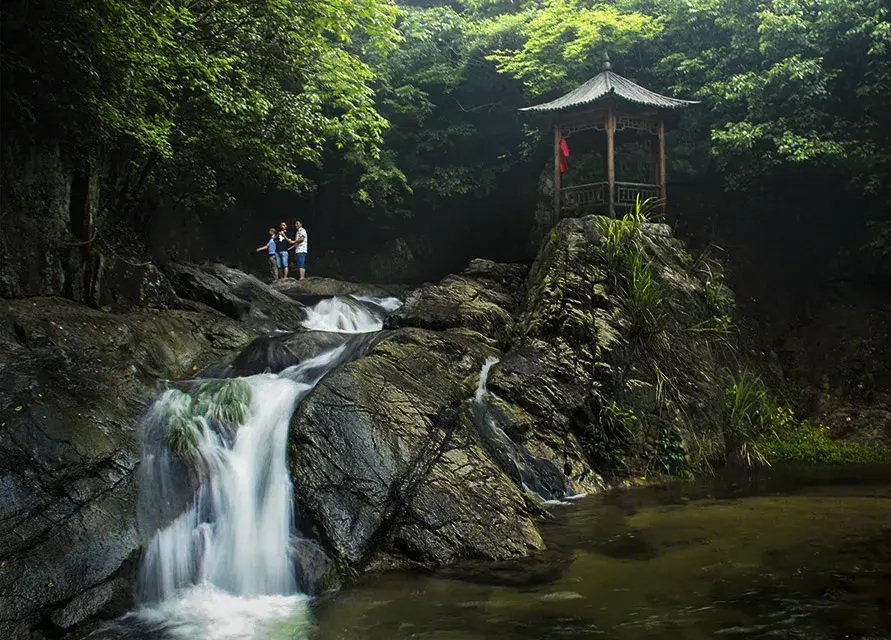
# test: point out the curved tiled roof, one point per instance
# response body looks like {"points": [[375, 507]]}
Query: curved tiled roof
{"points": [[607, 84]]}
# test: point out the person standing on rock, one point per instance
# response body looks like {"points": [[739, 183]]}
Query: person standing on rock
{"points": [[300, 244], [270, 248], [282, 241]]}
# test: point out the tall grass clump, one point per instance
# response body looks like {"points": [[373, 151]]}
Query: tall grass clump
{"points": [[631, 271], [224, 401], [760, 429], [220, 404], [751, 415], [183, 425]]}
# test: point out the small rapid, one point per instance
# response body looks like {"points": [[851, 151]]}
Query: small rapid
{"points": [[354, 314], [215, 453]]}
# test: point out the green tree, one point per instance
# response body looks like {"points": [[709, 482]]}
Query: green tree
{"points": [[188, 92], [561, 41], [786, 81]]}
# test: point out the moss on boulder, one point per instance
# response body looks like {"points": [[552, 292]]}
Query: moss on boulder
{"points": [[73, 383], [386, 463], [579, 347]]}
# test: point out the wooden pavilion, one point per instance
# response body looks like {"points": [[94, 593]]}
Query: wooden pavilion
{"points": [[609, 103]]}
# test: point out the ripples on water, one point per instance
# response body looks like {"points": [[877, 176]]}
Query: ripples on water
{"points": [[789, 558], [786, 559]]}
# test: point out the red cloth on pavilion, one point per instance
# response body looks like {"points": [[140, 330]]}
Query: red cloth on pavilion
{"points": [[564, 156]]}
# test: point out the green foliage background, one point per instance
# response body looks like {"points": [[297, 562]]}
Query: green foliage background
{"points": [[401, 115]]}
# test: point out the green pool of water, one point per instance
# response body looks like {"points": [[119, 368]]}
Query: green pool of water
{"points": [[789, 556]]}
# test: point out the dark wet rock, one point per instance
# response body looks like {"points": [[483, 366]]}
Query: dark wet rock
{"points": [[108, 598], [313, 566], [506, 274], [388, 465], [304, 345], [73, 383], [263, 354], [527, 391], [236, 294], [458, 301], [269, 310], [124, 286], [193, 283], [275, 353], [538, 475], [310, 290]]}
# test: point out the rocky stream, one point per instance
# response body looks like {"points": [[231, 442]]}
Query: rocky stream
{"points": [[330, 431]]}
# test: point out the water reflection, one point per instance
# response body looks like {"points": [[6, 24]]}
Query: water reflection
{"points": [[788, 556]]}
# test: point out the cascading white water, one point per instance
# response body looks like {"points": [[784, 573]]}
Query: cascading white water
{"points": [[511, 456], [336, 315], [387, 304], [484, 376], [236, 534], [223, 567]]}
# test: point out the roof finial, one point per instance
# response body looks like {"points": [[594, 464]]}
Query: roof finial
{"points": [[606, 63]]}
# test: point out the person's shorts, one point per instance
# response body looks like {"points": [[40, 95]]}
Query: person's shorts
{"points": [[300, 260], [282, 258]]}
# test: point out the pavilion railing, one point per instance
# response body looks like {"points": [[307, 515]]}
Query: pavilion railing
{"points": [[585, 195], [595, 195], [628, 192]]}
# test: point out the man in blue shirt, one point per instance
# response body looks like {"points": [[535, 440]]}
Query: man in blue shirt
{"points": [[270, 248]]}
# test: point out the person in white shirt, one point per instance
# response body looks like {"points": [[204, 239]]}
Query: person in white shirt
{"points": [[300, 244]]}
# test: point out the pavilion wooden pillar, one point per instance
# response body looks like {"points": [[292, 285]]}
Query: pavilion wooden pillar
{"points": [[557, 138], [595, 105], [611, 160], [663, 189]]}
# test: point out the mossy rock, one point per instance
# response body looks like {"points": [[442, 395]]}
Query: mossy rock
{"points": [[384, 466]]}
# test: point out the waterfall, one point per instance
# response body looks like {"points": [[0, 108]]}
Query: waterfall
{"points": [[539, 477], [357, 314], [223, 567], [484, 376], [237, 531]]}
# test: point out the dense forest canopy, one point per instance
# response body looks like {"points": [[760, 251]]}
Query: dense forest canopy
{"points": [[400, 121]]}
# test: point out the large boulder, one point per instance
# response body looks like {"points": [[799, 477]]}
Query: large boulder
{"points": [[124, 286], [613, 370], [482, 299], [73, 384], [304, 345], [506, 274], [312, 289], [387, 464], [236, 294], [194, 283]]}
